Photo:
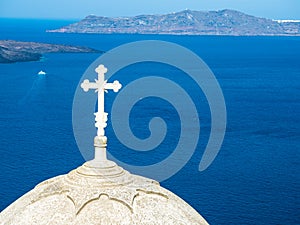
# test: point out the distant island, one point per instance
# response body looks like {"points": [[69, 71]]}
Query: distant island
{"points": [[16, 51], [187, 22]]}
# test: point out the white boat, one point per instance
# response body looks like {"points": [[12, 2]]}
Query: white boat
{"points": [[41, 73]]}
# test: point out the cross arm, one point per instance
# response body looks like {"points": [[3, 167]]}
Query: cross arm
{"points": [[86, 85], [115, 86]]}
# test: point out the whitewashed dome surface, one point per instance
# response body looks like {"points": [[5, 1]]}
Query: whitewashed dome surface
{"points": [[99, 195]]}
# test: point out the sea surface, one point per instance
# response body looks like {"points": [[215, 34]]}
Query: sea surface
{"points": [[253, 180]]}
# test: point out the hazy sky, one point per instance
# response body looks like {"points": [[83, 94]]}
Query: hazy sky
{"points": [[77, 9]]}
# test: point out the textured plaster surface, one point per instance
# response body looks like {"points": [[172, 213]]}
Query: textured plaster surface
{"points": [[104, 195]]}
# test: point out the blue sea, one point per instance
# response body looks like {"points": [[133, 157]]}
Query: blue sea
{"points": [[254, 178]]}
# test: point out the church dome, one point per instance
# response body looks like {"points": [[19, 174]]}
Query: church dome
{"points": [[100, 192], [105, 194]]}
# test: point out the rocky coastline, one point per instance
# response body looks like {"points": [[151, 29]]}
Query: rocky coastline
{"points": [[12, 51], [188, 22]]}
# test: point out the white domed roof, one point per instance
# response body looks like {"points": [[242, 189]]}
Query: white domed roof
{"points": [[99, 191], [99, 195]]}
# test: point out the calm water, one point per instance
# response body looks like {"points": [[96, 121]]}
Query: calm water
{"points": [[255, 177]]}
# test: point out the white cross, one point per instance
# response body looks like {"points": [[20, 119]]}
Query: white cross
{"points": [[100, 86]]}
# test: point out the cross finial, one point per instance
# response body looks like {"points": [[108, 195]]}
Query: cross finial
{"points": [[100, 85]]}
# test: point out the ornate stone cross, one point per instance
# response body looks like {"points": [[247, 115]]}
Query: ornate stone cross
{"points": [[100, 86]]}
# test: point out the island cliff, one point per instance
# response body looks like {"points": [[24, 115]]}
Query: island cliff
{"points": [[187, 22], [17, 51]]}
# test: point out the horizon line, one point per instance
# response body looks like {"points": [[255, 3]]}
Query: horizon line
{"points": [[140, 14]]}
